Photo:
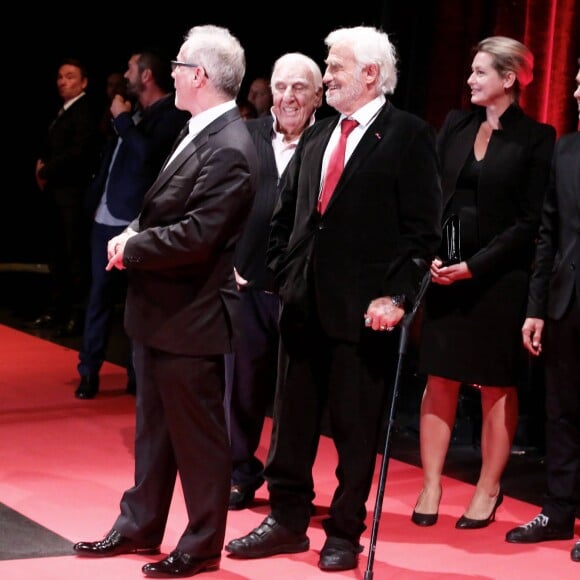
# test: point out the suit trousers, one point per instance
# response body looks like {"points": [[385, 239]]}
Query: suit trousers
{"points": [[251, 382], [351, 381], [562, 372], [106, 291], [68, 249], [180, 428]]}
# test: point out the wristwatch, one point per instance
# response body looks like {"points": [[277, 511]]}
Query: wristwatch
{"points": [[398, 300]]}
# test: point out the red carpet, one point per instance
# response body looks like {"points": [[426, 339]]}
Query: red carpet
{"points": [[64, 464]]}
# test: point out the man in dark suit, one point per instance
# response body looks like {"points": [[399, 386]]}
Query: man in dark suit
{"points": [[131, 161], [63, 171], [181, 314], [251, 371], [553, 326], [345, 273]]}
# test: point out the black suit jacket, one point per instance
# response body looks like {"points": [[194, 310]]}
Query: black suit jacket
{"points": [[251, 250], [555, 281], [182, 297], [378, 234], [511, 185], [70, 153]]}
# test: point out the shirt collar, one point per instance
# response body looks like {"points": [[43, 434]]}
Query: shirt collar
{"points": [[279, 137], [73, 100], [367, 113], [203, 119]]}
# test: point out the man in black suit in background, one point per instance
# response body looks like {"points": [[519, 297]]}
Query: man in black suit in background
{"points": [[63, 171], [552, 326], [130, 163], [181, 314], [346, 270]]}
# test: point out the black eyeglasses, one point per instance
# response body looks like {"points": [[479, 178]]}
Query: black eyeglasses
{"points": [[176, 63]]}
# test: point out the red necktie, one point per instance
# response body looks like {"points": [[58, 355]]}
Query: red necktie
{"points": [[335, 164]]}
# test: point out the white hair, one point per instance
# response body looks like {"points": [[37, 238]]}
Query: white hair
{"points": [[369, 46]]}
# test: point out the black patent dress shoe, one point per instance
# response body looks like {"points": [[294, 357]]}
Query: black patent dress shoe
{"points": [[465, 523], [88, 387], [241, 497], [72, 327], [113, 544], [45, 321], [268, 539], [538, 530], [339, 554], [180, 565], [575, 553]]}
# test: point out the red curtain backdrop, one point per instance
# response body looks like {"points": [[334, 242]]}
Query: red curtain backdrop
{"points": [[550, 28], [552, 31]]}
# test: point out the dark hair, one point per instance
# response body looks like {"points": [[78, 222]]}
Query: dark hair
{"points": [[75, 62], [159, 66]]}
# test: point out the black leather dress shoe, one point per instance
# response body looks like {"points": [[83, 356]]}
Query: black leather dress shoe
{"points": [[339, 554], [538, 530], [45, 321], [465, 523], [112, 545], [575, 553], [88, 387], [72, 327], [179, 565], [268, 539], [241, 497]]}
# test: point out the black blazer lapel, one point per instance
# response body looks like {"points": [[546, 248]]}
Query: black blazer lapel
{"points": [[199, 140], [457, 151]]}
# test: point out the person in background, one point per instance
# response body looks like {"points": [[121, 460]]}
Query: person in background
{"points": [[130, 163], [552, 328], [495, 164], [116, 84], [346, 264], [247, 109], [260, 95], [63, 171], [297, 92], [181, 314]]}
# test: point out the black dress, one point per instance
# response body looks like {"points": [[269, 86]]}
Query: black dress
{"points": [[471, 330]]}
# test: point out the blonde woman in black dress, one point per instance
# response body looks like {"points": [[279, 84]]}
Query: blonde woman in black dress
{"points": [[495, 163]]}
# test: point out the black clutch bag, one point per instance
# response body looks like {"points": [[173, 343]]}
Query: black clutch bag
{"points": [[450, 250]]}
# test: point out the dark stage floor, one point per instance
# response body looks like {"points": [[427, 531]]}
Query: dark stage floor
{"points": [[24, 296]]}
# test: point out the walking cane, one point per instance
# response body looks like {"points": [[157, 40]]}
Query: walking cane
{"points": [[403, 343]]}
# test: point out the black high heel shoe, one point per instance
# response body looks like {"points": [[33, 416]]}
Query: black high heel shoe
{"points": [[465, 523], [424, 519]]}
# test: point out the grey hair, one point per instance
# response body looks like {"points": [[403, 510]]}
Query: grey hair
{"points": [[302, 59], [370, 46], [220, 53]]}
